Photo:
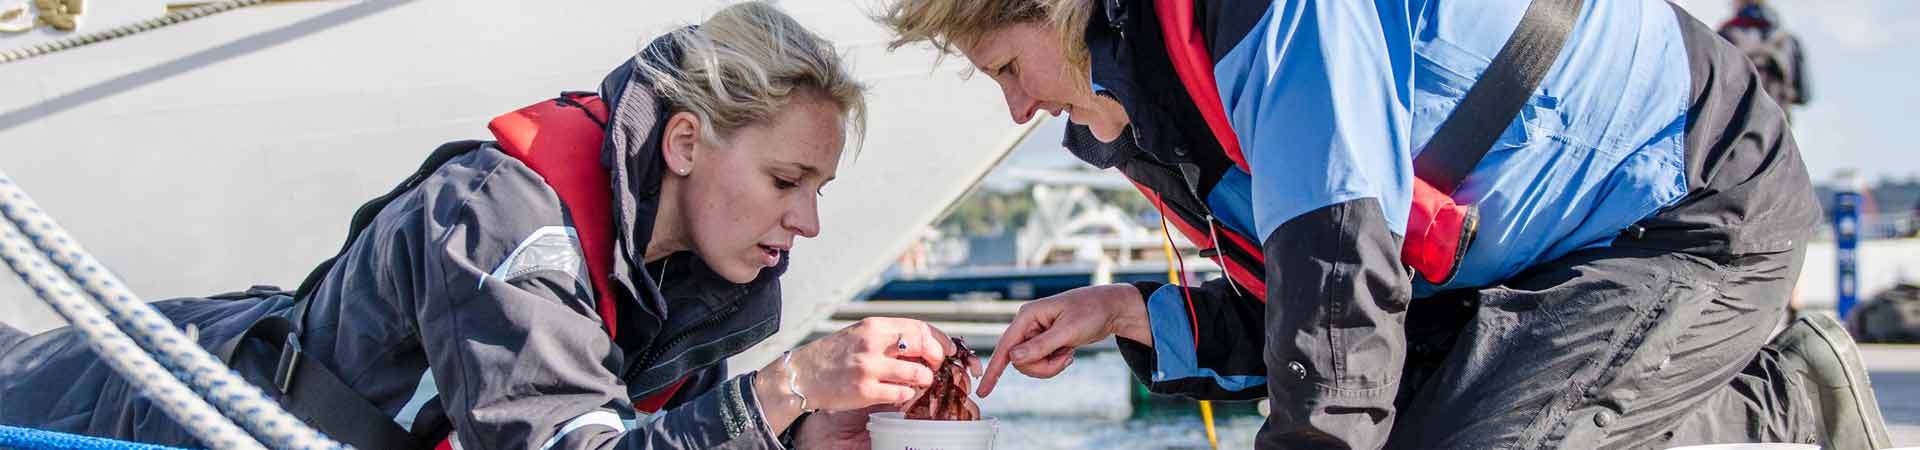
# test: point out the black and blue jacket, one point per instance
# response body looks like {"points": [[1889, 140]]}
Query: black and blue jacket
{"points": [[1279, 137]]}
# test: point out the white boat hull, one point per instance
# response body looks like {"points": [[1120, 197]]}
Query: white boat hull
{"points": [[229, 151]]}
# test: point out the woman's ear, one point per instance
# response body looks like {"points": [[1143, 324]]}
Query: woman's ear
{"points": [[677, 144]]}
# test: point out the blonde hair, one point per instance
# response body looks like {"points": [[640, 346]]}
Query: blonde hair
{"points": [[1069, 19], [950, 25], [745, 63]]}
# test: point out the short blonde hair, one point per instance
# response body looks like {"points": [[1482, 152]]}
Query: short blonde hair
{"points": [[745, 63], [950, 25]]}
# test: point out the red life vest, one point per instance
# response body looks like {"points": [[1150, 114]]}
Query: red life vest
{"points": [[560, 140]]}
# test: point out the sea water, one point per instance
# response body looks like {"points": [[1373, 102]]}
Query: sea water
{"points": [[1089, 406]]}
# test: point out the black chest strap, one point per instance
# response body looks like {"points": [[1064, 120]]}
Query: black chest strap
{"points": [[1496, 98]]}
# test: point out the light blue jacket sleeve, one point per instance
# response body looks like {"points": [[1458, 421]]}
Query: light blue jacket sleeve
{"points": [[1317, 93]]}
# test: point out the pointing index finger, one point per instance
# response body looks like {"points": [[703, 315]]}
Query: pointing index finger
{"points": [[1023, 326]]}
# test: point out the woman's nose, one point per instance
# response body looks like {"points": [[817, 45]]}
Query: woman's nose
{"points": [[1018, 104], [804, 219]]}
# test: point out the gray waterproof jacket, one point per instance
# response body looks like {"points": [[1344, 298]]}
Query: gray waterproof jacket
{"points": [[465, 308]]}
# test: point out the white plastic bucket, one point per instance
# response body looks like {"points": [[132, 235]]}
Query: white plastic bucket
{"points": [[893, 431], [1749, 447]]}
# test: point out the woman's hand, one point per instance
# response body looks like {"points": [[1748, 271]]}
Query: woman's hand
{"points": [[860, 366], [1044, 334], [837, 430]]}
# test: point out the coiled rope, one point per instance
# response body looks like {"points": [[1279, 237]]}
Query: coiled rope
{"points": [[208, 377], [115, 348], [124, 30]]}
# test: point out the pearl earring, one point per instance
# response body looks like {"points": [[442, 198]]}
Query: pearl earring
{"points": [[683, 171]]}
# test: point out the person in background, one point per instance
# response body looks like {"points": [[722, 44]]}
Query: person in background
{"points": [[1756, 30]]}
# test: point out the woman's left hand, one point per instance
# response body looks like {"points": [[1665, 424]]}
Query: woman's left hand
{"points": [[837, 430]]}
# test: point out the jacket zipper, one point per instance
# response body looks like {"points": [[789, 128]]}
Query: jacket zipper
{"points": [[1117, 18], [652, 355], [1213, 234]]}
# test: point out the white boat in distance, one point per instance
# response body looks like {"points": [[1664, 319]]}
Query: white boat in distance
{"points": [[230, 150]]}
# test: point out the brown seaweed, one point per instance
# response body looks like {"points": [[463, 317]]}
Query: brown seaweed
{"points": [[949, 398]]}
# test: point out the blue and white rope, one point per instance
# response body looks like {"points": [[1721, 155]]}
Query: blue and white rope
{"points": [[211, 379], [17, 438], [116, 349]]}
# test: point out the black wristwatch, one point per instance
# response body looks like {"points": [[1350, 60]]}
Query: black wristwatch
{"points": [[786, 437]]}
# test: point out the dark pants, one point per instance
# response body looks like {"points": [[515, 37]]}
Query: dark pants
{"points": [[1604, 348], [1647, 343]]}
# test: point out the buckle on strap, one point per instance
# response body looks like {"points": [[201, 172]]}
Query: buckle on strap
{"points": [[289, 362]]}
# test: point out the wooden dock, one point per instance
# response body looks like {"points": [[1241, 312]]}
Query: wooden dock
{"points": [[979, 322]]}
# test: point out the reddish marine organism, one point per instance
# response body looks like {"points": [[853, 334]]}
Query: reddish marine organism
{"points": [[948, 398]]}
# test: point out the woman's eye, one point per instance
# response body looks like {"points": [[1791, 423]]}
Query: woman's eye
{"points": [[784, 184], [1008, 69]]}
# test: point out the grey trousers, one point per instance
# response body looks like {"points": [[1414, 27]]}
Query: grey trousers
{"points": [[1605, 348]]}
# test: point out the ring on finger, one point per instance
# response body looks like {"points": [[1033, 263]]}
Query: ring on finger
{"points": [[900, 343]]}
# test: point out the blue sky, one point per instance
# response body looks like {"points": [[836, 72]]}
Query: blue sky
{"points": [[1866, 89]]}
